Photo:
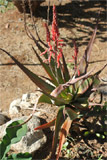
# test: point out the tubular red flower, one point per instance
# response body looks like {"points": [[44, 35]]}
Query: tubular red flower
{"points": [[55, 31], [54, 49], [78, 72], [47, 33]]}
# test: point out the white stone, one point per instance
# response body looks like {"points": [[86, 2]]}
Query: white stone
{"points": [[14, 107], [32, 141], [25, 105], [26, 97], [27, 101]]}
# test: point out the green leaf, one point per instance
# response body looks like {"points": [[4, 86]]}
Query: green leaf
{"points": [[62, 87], [56, 71], [71, 113], [85, 84], [59, 76], [13, 135], [59, 121], [65, 70], [58, 101], [47, 69], [44, 99], [46, 87], [66, 95], [20, 156]]}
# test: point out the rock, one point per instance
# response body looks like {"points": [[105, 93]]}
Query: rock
{"points": [[32, 141], [15, 107], [34, 5], [3, 119], [27, 101], [31, 97]]}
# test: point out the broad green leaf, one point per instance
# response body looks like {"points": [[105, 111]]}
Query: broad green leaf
{"points": [[59, 121], [37, 80], [46, 125], [13, 135]]}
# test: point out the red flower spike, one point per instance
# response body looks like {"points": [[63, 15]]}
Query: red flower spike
{"points": [[58, 59], [47, 33], [55, 31], [55, 49]]}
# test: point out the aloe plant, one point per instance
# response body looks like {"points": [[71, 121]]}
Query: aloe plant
{"points": [[70, 93]]}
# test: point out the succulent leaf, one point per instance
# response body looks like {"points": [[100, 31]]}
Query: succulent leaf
{"points": [[59, 76], [59, 121], [47, 125], [44, 99], [58, 101], [47, 69], [84, 86], [63, 134], [62, 87], [65, 70], [71, 113], [46, 87]]}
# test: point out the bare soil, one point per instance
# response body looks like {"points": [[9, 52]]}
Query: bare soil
{"points": [[76, 20]]}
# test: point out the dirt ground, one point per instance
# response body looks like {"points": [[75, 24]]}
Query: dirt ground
{"points": [[76, 20]]}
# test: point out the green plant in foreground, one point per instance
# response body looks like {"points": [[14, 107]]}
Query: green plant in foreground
{"points": [[5, 4], [12, 136], [70, 93]]}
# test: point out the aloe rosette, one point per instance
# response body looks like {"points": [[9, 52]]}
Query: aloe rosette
{"points": [[70, 93]]}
